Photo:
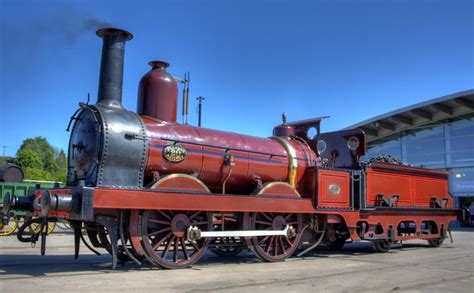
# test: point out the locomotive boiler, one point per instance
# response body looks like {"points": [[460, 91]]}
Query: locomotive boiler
{"points": [[143, 186]]}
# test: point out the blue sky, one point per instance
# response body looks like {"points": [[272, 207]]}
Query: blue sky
{"points": [[251, 60]]}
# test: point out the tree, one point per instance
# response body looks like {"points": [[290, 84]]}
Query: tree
{"points": [[6, 159], [41, 161], [61, 160]]}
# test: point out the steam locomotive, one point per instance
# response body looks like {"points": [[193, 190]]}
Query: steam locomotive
{"points": [[143, 186]]}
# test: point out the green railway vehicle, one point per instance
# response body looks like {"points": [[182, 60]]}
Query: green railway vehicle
{"points": [[12, 182]]}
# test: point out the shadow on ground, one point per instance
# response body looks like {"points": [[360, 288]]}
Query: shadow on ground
{"points": [[19, 266]]}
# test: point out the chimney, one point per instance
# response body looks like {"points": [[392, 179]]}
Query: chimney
{"points": [[111, 67]]}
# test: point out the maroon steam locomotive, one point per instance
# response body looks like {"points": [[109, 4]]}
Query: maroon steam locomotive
{"points": [[143, 186]]}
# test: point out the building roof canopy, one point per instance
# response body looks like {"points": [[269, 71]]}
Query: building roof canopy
{"points": [[417, 115]]}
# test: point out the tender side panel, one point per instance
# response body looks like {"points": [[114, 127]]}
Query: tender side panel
{"points": [[427, 188], [333, 189], [414, 186], [389, 184]]}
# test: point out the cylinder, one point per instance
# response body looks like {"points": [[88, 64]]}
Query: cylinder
{"points": [[158, 93], [111, 67]]}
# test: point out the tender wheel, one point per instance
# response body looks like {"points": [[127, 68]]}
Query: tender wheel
{"points": [[9, 228], [381, 245], [435, 242], [275, 248], [164, 237]]}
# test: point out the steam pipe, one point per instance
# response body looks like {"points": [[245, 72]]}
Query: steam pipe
{"points": [[111, 67]]}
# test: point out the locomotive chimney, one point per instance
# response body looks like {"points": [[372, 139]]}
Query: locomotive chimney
{"points": [[111, 67], [158, 93]]}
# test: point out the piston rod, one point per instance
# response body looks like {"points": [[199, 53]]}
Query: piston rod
{"points": [[195, 234]]}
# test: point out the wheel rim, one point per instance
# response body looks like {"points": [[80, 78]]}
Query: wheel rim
{"points": [[92, 231], [382, 245], [164, 237], [133, 230], [10, 228], [435, 242], [35, 228], [99, 237], [275, 248]]}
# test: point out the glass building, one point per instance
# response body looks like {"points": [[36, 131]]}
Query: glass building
{"points": [[436, 134]]}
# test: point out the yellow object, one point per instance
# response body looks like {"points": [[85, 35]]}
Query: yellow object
{"points": [[36, 227], [8, 229], [178, 175], [292, 160], [270, 185]]}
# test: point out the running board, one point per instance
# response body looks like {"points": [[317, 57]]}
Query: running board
{"points": [[195, 234]]}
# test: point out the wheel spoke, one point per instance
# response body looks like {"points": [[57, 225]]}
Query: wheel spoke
{"points": [[175, 252], [288, 241], [269, 244], [164, 215], [194, 245], [194, 215], [275, 246], [157, 244], [264, 223], [159, 231], [288, 216], [266, 216], [159, 221], [167, 248], [185, 250], [263, 240], [280, 241]]}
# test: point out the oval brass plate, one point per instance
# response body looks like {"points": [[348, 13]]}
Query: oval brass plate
{"points": [[174, 153], [334, 189]]}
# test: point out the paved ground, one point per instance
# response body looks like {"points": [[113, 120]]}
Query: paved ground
{"points": [[415, 267]]}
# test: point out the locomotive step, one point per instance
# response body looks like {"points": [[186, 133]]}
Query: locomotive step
{"points": [[195, 234]]}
